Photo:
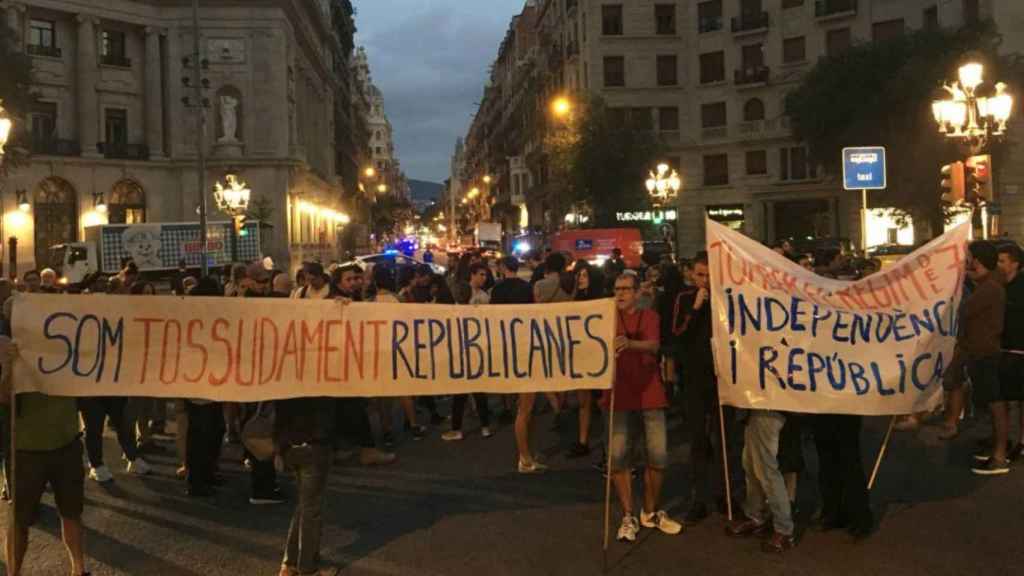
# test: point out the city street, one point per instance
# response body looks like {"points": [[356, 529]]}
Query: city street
{"points": [[460, 508]]}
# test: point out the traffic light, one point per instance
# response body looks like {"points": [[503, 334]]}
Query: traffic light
{"points": [[978, 178], [953, 183], [239, 222]]}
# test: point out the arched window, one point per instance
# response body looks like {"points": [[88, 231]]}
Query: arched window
{"points": [[55, 208], [753, 110], [127, 203]]}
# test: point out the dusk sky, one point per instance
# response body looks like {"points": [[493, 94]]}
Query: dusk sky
{"points": [[430, 59]]}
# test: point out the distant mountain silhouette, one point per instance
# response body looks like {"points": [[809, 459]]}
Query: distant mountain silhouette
{"points": [[422, 192]]}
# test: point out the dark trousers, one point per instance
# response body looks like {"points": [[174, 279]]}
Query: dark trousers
{"points": [[262, 475], [353, 422], [844, 492], [459, 408], [205, 433], [707, 473], [310, 465], [95, 411]]}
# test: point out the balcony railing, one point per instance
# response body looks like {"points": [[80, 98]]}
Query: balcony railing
{"points": [[116, 60], [55, 147], [123, 151], [709, 24], [829, 8], [39, 50], [752, 75], [750, 22]]}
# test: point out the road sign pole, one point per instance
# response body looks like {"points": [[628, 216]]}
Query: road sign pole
{"points": [[864, 220]]}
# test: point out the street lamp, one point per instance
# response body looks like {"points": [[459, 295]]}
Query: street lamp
{"points": [[21, 197], [663, 184], [234, 201], [487, 179], [968, 116], [561, 107], [5, 128], [99, 204], [370, 172], [382, 188]]}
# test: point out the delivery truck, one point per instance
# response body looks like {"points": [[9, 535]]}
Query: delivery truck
{"points": [[155, 248], [488, 235]]}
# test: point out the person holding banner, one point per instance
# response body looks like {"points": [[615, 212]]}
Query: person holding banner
{"points": [[48, 451], [639, 400], [477, 280]]}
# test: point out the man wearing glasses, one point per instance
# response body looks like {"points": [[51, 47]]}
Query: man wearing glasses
{"points": [[639, 399]]}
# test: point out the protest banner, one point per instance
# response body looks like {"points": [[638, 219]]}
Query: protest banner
{"points": [[788, 339], [261, 349]]}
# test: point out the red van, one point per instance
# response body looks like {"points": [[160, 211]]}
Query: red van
{"points": [[595, 245]]}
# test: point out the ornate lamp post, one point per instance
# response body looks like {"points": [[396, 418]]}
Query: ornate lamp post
{"points": [[663, 184], [969, 116], [233, 200]]}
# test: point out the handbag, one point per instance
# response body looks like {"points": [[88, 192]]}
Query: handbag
{"points": [[258, 433]]}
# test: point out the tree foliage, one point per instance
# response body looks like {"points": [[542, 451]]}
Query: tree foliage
{"points": [[880, 94], [15, 89], [390, 211], [601, 159]]}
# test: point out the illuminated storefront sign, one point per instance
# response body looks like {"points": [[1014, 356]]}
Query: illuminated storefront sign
{"points": [[647, 216]]}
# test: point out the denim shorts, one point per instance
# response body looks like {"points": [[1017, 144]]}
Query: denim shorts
{"points": [[625, 427]]}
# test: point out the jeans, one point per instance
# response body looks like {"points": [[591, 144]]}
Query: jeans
{"points": [[95, 411], [459, 408], [844, 492], [624, 426], [707, 473], [765, 485], [310, 465]]}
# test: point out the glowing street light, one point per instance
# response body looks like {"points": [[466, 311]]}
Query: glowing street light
{"points": [[487, 179], [473, 193], [382, 188], [5, 128], [561, 107], [971, 117], [664, 184], [369, 172], [233, 199]]}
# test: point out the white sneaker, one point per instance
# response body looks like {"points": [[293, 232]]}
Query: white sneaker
{"points": [[486, 432], [531, 467], [139, 467], [628, 529], [85, 460], [452, 435], [101, 474], [661, 521]]}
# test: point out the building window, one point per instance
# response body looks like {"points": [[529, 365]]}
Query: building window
{"points": [[882, 31], [668, 119], [614, 71], [712, 115], [667, 70], [611, 20], [712, 67], [837, 41], [642, 119], [44, 122], [794, 49], [42, 39], [753, 110], [794, 165], [972, 12], [380, 150], [116, 126], [753, 56], [709, 16], [665, 18], [716, 170], [792, 3], [127, 203], [113, 50], [930, 20], [757, 162]]}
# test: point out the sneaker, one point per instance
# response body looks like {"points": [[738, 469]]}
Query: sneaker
{"points": [[376, 457], [982, 455], [578, 450], [778, 543], [452, 435], [486, 432], [661, 521], [992, 467], [181, 472], [531, 467], [628, 529], [139, 467], [275, 497], [387, 439], [101, 474], [745, 527]]}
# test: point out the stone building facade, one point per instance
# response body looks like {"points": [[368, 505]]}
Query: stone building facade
{"points": [[116, 120]]}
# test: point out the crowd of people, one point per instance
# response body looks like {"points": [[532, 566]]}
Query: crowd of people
{"points": [[664, 360]]}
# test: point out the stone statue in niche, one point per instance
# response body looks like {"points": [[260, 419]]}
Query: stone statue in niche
{"points": [[228, 118]]}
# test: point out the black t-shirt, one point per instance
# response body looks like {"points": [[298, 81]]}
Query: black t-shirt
{"points": [[512, 291], [1013, 323]]}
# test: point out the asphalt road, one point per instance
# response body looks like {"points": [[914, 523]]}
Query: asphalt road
{"points": [[460, 508]]}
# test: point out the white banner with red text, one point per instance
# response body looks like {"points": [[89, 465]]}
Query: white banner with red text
{"points": [[243, 350], [788, 339]]}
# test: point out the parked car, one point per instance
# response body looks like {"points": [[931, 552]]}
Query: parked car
{"points": [[392, 257]]}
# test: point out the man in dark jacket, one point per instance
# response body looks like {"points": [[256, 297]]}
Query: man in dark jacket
{"points": [[303, 428], [1012, 364]]}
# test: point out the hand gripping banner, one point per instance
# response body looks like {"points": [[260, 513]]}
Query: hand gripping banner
{"points": [[244, 350], [788, 339]]}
